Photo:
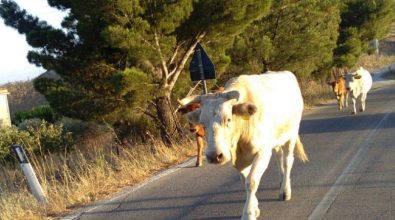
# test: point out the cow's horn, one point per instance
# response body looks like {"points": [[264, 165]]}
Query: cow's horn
{"points": [[189, 99], [231, 95]]}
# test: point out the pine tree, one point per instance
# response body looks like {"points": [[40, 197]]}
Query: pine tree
{"points": [[116, 55], [296, 35], [361, 22]]}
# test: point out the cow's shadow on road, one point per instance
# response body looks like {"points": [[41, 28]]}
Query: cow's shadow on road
{"points": [[186, 203]]}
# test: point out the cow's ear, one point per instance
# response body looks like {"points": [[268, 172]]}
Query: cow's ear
{"points": [[244, 109], [194, 116], [357, 76]]}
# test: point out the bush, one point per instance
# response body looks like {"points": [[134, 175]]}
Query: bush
{"points": [[26, 124], [75, 126], [12, 135], [43, 138], [51, 137], [43, 112]]}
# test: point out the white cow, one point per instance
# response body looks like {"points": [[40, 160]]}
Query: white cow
{"points": [[358, 84], [255, 115]]}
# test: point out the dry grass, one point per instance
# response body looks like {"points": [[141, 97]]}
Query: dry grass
{"points": [[374, 62], [72, 180], [315, 92]]}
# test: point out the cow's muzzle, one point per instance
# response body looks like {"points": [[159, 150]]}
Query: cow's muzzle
{"points": [[215, 158], [348, 89]]}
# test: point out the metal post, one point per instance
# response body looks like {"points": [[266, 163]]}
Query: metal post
{"points": [[204, 87], [29, 173], [376, 45]]}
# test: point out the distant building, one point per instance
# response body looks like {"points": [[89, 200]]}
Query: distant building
{"points": [[5, 119]]}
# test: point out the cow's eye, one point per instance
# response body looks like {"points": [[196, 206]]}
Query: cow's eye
{"points": [[228, 120]]}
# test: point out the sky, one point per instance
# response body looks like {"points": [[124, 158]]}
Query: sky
{"points": [[13, 46]]}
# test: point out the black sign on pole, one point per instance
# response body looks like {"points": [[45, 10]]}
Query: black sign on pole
{"points": [[201, 67]]}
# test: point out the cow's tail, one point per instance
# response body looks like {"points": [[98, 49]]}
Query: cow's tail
{"points": [[299, 151]]}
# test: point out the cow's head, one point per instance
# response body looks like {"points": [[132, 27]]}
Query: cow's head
{"points": [[219, 114], [351, 80], [337, 87]]}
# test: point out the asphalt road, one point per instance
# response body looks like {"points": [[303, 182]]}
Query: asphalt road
{"points": [[351, 175]]}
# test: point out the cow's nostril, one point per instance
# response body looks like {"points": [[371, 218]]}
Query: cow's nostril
{"points": [[193, 130], [220, 157]]}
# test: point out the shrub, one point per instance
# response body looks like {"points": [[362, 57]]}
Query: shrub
{"points": [[75, 126], [45, 137], [12, 135], [43, 112], [26, 124]]}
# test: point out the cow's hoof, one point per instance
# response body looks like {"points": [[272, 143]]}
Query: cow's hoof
{"points": [[285, 197], [353, 113], [361, 110], [199, 164]]}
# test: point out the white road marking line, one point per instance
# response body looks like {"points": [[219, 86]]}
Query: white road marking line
{"points": [[133, 189], [326, 202]]}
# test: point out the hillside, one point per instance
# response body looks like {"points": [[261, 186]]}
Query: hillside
{"points": [[23, 96]]}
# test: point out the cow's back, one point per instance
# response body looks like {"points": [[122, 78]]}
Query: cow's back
{"points": [[367, 81], [278, 99], [277, 89]]}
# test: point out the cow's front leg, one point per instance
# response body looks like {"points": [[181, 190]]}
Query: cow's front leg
{"points": [[200, 145], [251, 210], [354, 100], [341, 102], [346, 99]]}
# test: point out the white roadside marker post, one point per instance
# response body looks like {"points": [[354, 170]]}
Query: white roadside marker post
{"points": [[29, 173]]}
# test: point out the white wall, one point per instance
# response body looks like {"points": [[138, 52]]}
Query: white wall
{"points": [[5, 119]]}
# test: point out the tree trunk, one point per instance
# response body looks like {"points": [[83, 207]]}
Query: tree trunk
{"points": [[168, 125]]}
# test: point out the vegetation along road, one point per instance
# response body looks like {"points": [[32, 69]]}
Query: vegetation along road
{"points": [[350, 175]]}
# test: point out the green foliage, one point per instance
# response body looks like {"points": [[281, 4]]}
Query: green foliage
{"points": [[43, 137], [43, 112], [296, 35], [11, 135], [51, 137], [361, 22]]}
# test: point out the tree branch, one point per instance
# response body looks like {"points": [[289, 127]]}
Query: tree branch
{"points": [[173, 78], [165, 71], [175, 53]]}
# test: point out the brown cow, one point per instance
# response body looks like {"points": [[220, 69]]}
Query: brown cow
{"points": [[339, 89], [198, 129]]}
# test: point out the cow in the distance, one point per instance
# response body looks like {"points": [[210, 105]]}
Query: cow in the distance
{"points": [[358, 84], [255, 116], [198, 129], [339, 89], [339, 86]]}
